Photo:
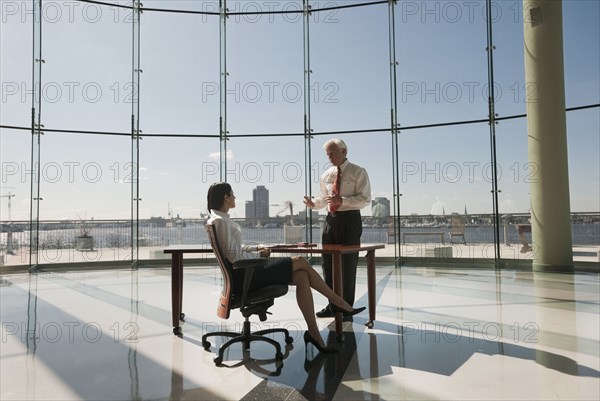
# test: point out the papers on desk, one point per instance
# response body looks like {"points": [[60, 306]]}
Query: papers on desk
{"points": [[296, 245]]}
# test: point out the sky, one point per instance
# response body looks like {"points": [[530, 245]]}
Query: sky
{"points": [[441, 77]]}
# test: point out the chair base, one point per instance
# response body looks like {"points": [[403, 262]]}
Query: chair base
{"points": [[246, 337]]}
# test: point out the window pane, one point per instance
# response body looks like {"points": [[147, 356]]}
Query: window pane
{"points": [[442, 62], [15, 65], [180, 61], [265, 71], [86, 77], [350, 63]]}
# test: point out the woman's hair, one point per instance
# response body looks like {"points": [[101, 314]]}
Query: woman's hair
{"points": [[216, 195]]}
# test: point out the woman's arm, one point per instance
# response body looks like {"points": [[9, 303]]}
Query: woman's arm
{"points": [[230, 240]]}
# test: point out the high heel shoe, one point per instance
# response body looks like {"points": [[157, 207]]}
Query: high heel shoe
{"points": [[309, 339], [335, 309]]}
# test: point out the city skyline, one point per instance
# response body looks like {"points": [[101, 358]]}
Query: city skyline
{"points": [[86, 86]]}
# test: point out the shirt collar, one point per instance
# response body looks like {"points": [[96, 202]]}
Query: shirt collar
{"points": [[219, 213]]}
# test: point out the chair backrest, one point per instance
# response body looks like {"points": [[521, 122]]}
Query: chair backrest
{"points": [[457, 225], [225, 301]]}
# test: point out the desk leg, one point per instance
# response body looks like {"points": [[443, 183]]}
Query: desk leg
{"points": [[176, 273], [371, 287], [338, 288], [181, 314]]}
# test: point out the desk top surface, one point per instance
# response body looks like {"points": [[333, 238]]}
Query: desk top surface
{"points": [[199, 248], [188, 249], [327, 248]]}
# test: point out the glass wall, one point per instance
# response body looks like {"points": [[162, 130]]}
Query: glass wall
{"points": [[249, 92], [582, 87], [15, 111]]}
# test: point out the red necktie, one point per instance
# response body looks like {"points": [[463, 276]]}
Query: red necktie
{"points": [[336, 189]]}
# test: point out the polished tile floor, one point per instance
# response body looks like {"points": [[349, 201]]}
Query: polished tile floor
{"points": [[451, 334]]}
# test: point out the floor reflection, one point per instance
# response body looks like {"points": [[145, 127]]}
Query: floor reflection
{"points": [[444, 353], [107, 335]]}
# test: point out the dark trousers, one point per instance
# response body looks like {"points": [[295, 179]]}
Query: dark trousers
{"points": [[343, 228]]}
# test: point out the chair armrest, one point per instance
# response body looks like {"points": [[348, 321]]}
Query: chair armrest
{"points": [[248, 265]]}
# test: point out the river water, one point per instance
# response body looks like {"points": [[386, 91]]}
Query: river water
{"points": [[583, 234]]}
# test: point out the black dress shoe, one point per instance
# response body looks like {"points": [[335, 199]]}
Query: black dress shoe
{"points": [[325, 312], [351, 313]]}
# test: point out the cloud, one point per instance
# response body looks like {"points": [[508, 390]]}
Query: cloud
{"points": [[217, 155], [438, 207]]}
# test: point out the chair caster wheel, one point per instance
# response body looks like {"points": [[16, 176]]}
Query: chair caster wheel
{"points": [[218, 360], [177, 331], [369, 324], [206, 345], [289, 340]]}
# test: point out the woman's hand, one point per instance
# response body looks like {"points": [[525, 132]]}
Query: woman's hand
{"points": [[264, 252]]}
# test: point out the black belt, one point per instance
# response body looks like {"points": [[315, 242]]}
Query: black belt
{"points": [[345, 212]]}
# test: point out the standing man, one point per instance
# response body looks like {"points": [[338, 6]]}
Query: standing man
{"points": [[344, 190]]}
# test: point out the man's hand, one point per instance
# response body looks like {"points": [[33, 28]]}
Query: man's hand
{"points": [[308, 202], [335, 200]]}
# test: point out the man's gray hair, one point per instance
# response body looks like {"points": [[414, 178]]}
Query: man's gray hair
{"points": [[337, 142]]}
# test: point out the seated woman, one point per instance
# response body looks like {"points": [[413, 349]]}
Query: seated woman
{"points": [[295, 271]]}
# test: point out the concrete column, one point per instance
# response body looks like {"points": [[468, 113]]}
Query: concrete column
{"points": [[547, 138]]}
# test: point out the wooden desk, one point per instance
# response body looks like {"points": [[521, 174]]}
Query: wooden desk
{"points": [[177, 252], [336, 252]]}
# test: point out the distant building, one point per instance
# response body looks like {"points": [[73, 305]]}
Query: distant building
{"points": [[314, 215], [260, 198], [380, 207], [250, 209], [158, 222]]}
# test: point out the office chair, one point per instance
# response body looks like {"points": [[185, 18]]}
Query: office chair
{"points": [[255, 302]]}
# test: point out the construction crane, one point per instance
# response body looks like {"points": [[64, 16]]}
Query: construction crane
{"points": [[9, 196], [287, 205], [9, 235]]}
